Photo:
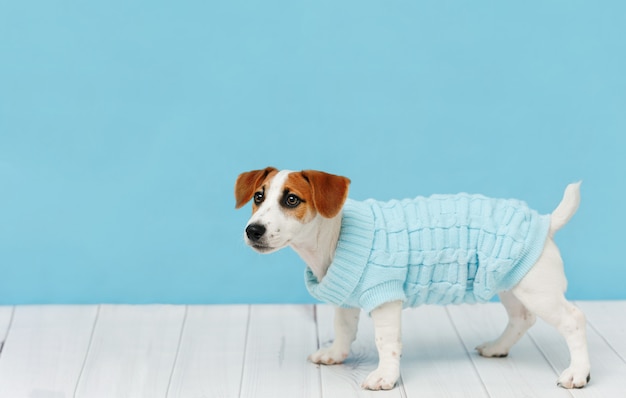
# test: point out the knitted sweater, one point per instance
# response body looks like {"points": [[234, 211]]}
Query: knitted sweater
{"points": [[445, 249]]}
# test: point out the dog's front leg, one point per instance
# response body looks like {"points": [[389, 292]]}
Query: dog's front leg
{"points": [[387, 327], [346, 323]]}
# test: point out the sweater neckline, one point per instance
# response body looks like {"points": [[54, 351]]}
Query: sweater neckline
{"points": [[354, 247]]}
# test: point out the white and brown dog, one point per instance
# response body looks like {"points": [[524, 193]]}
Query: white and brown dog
{"points": [[304, 210]]}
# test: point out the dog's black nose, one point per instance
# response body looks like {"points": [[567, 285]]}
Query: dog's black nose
{"points": [[255, 232]]}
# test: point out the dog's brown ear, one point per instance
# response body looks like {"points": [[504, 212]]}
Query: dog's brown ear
{"points": [[329, 191], [246, 184]]}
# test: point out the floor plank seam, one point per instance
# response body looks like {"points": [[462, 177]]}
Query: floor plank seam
{"points": [[6, 333], [542, 352], [82, 368], [608, 343], [319, 344], [467, 352], [245, 350], [546, 358], [317, 329], [180, 341], [400, 387]]}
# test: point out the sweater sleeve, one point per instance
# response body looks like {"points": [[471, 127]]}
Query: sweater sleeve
{"points": [[390, 290]]}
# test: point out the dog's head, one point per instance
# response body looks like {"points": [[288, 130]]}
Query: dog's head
{"points": [[286, 202]]}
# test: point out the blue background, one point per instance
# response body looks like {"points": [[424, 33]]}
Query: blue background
{"points": [[123, 126]]}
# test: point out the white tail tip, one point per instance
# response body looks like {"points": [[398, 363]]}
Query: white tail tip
{"points": [[567, 208]]}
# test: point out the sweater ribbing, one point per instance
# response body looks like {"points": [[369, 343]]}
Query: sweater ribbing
{"points": [[445, 249]]}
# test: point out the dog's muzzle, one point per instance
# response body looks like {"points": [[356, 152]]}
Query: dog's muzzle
{"points": [[256, 235], [255, 232]]}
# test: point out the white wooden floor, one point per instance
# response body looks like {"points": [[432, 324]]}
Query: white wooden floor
{"points": [[260, 351]]}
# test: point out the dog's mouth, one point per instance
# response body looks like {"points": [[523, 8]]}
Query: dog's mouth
{"points": [[265, 247], [261, 248]]}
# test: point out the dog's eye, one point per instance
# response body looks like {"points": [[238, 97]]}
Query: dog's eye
{"points": [[258, 198], [292, 200]]}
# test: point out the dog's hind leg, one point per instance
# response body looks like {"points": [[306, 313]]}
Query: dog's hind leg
{"points": [[520, 320], [542, 292]]}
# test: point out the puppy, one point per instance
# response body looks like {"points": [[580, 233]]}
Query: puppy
{"points": [[444, 249]]}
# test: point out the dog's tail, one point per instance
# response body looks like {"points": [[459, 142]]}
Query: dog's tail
{"points": [[566, 209]]}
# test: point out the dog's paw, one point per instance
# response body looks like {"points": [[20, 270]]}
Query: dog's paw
{"points": [[381, 379], [571, 378], [328, 356], [492, 350]]}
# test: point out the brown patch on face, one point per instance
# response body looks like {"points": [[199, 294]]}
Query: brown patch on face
{"points": [[320, 192], [329, 191], [297, 185], [263, 187], [249, 183]]}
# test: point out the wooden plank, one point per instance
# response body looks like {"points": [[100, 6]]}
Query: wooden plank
{"points": [[435, 362], [210, 357], [608, 318], [524, 373], [133, 351], [45, 350], [280, 337], [607, 368], [345, 380]]}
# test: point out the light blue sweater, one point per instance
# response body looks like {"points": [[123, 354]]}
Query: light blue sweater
{"points": [[445, 249]]}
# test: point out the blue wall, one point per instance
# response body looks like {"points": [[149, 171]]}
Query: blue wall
{"points": [[123, 126]]}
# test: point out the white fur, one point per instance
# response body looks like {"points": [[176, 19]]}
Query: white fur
{"points": [[539, 293]]}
